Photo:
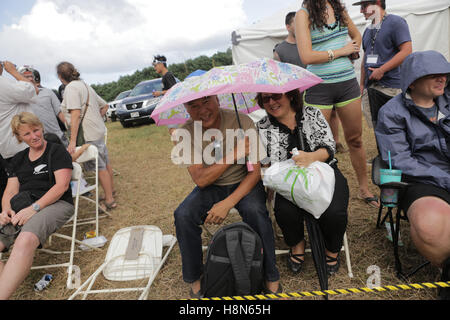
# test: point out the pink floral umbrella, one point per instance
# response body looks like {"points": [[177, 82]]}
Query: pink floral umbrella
{"points": [[264, 75]]}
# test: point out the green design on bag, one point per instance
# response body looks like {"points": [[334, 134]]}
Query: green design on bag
{"points": [[298, 171]]}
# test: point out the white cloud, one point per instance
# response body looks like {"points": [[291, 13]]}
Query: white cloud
{"points": [[111, 37]]}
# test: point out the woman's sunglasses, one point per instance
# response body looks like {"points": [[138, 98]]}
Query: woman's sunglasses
{"points": [[274, 97]]}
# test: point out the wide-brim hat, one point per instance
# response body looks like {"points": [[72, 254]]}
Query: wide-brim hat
{"points": [[361, 2]]}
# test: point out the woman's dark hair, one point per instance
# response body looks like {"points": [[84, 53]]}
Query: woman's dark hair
{"points": [[67, 72], [318, 12], [294, 97]]}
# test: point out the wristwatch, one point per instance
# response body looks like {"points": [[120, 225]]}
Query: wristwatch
{"points": [[36, 207]]}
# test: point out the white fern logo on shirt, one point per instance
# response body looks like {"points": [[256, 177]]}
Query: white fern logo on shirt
{"points": [[38, 169]]}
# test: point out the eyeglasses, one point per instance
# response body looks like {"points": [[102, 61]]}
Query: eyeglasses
{"points": [[274, 97], [10, 230]]}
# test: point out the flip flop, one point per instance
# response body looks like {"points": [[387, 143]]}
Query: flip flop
{"points": [[370, 200], [110, 206], [102, 198]]}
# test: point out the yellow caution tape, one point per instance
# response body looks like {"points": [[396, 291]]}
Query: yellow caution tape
{"points": [[318, 293]]}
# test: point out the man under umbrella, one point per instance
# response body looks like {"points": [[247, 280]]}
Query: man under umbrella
{"points": [[220, 186]]}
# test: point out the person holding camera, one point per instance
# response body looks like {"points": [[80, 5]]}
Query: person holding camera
{"points": [[322, 28], [15, 97], [37, 200]]}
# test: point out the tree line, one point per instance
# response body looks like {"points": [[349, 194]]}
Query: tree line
{"points": [[110, 90]]}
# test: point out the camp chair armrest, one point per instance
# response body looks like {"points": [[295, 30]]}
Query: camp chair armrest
{"points": [[394, 185]]}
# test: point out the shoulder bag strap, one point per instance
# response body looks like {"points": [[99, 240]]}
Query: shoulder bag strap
{"points": [[87, 106]]}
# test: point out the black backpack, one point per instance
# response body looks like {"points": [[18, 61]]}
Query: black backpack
{"points": [[234, 262]]}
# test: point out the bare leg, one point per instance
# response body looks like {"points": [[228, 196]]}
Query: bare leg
{"points": [[111, 173], [19, 264], [430, 228], [334, 125], [105, 181], [351, 118]]}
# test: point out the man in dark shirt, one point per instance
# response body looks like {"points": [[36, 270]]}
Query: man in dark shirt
{"points": [[168, 79], [287, 51]]}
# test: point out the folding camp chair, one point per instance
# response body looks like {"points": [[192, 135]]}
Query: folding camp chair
{"points": [[378, 164], [91, 154], [134, 253], [76, 176]]}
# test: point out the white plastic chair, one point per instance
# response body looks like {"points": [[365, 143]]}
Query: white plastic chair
{"points": [[91, 154], [76, 176], [134, 253]]}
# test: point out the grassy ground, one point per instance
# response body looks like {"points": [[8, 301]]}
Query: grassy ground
{"points": [[150, 188]]}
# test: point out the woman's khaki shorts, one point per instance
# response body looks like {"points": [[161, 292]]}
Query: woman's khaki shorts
{"points": [[44, 223]]}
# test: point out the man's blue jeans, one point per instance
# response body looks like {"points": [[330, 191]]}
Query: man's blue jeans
{"points": [[192, 212]]}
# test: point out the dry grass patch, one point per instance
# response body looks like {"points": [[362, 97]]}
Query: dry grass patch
{"points": [[150, 188]]}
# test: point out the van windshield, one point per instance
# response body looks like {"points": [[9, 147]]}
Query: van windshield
{"points": [[146, 88]]}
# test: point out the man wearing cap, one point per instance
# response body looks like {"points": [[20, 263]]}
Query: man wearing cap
{"points": [[46, 105], [168, 79], [386, 44], [414, 127], [15, 97]]}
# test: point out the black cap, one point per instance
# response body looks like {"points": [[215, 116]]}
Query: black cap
{"points": [[363, 1]]}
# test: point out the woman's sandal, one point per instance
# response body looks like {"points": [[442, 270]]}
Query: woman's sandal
{"points": [[295, 266], [267, 291], [102, 198], [111, 205], [370, 201], [332, 269]]}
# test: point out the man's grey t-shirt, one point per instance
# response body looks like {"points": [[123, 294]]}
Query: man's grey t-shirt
{"points": [[288, 53], [46, 107], [394, 32]]}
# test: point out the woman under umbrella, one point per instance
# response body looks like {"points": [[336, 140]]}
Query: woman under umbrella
{"points": [[289, 125]]}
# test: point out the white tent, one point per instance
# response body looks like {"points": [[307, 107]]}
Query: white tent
{"points": [[428, 20]]}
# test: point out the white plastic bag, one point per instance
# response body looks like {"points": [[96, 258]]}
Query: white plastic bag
{"points": [[310, 188]]}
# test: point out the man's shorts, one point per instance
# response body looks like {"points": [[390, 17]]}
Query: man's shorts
{"points": [[328, 95], [420, 190], [103, 159], [44, 223]]}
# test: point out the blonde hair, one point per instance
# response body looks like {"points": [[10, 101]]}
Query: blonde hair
{"points": [[24, 118]]}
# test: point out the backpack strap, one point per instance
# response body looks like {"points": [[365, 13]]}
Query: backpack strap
{"points": [[239, 262]]}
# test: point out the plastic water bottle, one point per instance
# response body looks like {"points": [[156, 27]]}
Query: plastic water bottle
{"points": [[43, 283]]}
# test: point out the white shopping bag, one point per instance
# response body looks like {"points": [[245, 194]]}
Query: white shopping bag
{"points": [[309, 188]]}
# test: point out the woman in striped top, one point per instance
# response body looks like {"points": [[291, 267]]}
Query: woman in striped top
{"points": [[322, 28]]}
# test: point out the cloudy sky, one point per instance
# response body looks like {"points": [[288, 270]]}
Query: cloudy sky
{"points": [[109, 38]]}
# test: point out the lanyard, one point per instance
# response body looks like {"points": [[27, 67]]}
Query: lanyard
{"points": [[374, 38]]}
